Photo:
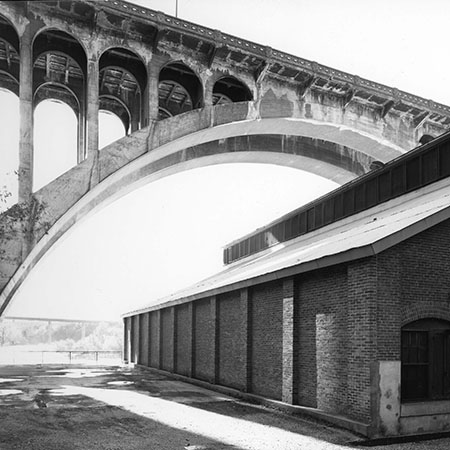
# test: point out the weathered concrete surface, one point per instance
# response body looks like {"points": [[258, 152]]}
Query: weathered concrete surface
{"points": [[75, 407]]}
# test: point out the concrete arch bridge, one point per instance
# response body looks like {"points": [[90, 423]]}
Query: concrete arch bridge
{"points": [[188, 97]]}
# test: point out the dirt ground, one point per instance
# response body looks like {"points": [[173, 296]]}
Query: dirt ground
{"points": [[76, 407]]}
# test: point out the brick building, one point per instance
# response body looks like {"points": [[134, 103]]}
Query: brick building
{"points": [[341, 307]]}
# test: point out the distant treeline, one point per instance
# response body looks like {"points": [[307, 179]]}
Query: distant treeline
{"points": [[62, 335]]}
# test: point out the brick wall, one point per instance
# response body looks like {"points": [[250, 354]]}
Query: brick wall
{"points": [[425, 269], [143, 339], [183, 321], [127, 339], [232, 370], [134, 339], [322, 339], [154, 339], [167, 334], [266, 320], [362, 328], [204, 340]]}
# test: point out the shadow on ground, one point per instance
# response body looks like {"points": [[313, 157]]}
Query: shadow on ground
{"points": [[76, 407]]}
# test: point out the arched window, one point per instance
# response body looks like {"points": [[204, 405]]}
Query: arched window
{"points": [[425, 360]]}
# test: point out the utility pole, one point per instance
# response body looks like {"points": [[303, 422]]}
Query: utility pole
{"points": [[176, 8]]}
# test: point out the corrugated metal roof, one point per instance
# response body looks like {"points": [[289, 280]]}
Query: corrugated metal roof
{"points": [[361, 235]]}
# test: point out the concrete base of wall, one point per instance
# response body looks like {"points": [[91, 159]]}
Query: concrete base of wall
{"points": [[339, 421]]}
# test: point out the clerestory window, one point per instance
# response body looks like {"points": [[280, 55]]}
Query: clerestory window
{"points": [[425, 356]]}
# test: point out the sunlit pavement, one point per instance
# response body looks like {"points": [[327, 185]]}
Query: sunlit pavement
{"points": [[75, 407]]}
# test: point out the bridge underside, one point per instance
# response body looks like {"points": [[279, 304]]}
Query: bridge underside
{"points": [[31, 229]]}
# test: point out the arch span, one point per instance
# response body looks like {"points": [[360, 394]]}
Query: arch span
{"points": [[165, 148]]}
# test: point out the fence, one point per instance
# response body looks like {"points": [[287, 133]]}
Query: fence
{"points": [[101, 357]]}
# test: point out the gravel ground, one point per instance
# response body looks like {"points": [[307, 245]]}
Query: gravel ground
{"points": [[70, 407]]}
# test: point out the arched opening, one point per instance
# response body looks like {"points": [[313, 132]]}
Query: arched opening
{"points": [[425, 356], [122, 81], [55, 141], [111, 128], [180, 90], [59, 73], [230, 89], [9, 154], [9, 113]]}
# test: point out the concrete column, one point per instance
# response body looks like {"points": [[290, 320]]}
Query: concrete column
{"points": [[208, 91], [26, 117], [151, 95], [92, 106], [289, 379], [215, 337], [246, 343]]}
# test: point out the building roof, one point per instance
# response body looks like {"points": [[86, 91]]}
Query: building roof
{"points": [[364, 234]]}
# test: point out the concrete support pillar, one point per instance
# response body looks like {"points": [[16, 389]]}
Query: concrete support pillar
{"points": [[151, 94], [26, 117], [92, 106], [246, 344], [289, 379], [215, 337], [208, 91]]}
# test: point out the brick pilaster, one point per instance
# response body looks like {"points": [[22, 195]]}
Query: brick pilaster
{"points": [[289, 379]]}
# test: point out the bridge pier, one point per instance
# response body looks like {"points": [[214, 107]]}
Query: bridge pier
{"points": [[26, 117]]}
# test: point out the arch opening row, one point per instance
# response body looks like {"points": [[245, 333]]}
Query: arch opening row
{"points": [[55, 136], [60, 71]]}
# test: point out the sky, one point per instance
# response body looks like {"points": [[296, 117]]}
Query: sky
{"points": [[168, 234]]}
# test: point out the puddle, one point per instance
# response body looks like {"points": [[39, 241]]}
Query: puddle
{"points": [[74, 373], [9, 392], [120, 383], [10, 380]]}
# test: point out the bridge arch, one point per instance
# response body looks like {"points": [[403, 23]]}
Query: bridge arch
{"points": [[51, 39], [173, 151]]}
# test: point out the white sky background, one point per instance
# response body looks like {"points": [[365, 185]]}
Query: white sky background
{"points": [[168, 234]]}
